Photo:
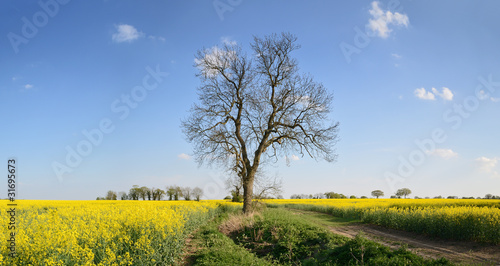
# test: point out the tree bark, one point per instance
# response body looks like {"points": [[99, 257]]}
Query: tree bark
{"points": [[248, 192]]}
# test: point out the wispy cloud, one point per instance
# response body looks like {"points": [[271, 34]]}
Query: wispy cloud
{"points": [[228, 41], [184, 156], [443, 153], [488, 165], [423, 94], [126, 33], [381, 20], [396, 56], [484, 96], [28, 86], [156, 38]]}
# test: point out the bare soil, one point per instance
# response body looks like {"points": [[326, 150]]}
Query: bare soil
{"points": [[188, 256]]}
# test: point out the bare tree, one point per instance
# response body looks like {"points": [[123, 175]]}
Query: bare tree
{"points": [[258, 107], [267, 187], [186, 193], [123, 195], [197, 193]]}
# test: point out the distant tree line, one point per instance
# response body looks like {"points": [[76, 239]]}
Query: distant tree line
{"points": [[403, 192], [171, 193], [326, 195]]}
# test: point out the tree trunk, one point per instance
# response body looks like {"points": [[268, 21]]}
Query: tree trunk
{"points": [[248, 192]]}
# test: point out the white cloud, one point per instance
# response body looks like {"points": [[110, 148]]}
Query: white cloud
{"points": [[28, 86], [443, 153], [184, 156], [214, 60], [292, 158], [488, 165], [482, 95], [396, 56], [381, 20], [126, 33], [228, 41], [156, 38], [423, 94], [446, 93]]}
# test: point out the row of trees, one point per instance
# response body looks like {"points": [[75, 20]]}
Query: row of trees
{"points": [[327, 195], [170, 192], [332, 195], [403, 192]]}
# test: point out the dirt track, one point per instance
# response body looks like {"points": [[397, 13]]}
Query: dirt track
{"points": [[456, 251]]}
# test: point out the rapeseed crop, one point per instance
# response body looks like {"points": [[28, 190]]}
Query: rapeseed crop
{"points": [[102, 232], [474, 220]]}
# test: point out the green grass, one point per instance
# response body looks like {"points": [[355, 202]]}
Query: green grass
{"points": [[280, 237], [324, 219], [218, 249]]}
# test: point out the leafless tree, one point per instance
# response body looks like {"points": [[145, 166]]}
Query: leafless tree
{"points": [[186, 192], [258, 107], [123, 195], [197, 193]]}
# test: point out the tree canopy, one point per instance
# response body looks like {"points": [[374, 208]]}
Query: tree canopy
{"points": [[258, 107]]}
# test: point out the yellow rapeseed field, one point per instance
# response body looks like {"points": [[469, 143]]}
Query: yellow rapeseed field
{"points": [[476, 220], [101, 232]]}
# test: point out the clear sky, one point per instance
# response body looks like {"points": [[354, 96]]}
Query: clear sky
{"points": [[92, 92]]}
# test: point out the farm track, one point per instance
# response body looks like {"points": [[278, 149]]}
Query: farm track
{"points": [[460, 252]]}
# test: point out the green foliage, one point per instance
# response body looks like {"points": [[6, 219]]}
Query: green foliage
{"points": [[218, 249], [287, 239]]}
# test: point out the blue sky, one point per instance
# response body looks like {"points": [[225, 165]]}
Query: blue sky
{"points": [[416, 86]]}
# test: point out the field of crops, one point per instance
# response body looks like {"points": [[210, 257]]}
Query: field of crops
{"points": [[474, 220], [102, 232]]}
